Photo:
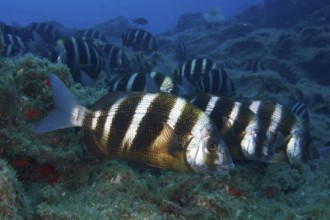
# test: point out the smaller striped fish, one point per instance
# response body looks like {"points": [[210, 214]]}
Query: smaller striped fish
{"points": [[181, 51], [217, 82], [13, 46], [194, 70], [115, 56], [240, 128], [159, 130], [79, 55], [144, 82], [46, 30], [288, 133], [139, 39]]}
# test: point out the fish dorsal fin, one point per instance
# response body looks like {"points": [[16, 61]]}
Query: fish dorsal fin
{"points": [[108, 100], [167, 141]]}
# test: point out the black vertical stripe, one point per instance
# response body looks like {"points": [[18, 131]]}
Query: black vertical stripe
{"points": [[288, 121], [222, 83], [265, 113], [187, 120], [139, 83], [199, 101], [121, 121], [187, 70], [153, 122]]}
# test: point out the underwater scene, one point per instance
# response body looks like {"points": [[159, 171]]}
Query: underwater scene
{"points": [[217, 117]]}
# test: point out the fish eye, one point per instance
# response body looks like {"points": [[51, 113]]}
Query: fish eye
{"points": [[212, 146]]}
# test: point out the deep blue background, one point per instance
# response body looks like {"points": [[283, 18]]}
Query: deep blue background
{"points": [[162, 14]]}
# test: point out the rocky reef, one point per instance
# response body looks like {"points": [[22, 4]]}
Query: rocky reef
{"points": [[52, 176]]}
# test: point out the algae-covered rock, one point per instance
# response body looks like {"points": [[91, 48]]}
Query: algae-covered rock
{"points": [[14, 203]]}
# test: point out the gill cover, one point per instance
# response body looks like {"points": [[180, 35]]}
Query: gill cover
{"points": [[208, 154]]}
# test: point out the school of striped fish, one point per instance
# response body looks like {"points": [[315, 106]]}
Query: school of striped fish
{"points": [[184, 119]]}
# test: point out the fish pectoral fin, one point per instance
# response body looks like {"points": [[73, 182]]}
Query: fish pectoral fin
{"points": [[167, 141]]}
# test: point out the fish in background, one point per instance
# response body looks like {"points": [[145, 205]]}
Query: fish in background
{"points": [[43, 31], [133, 82], [139, 39], [181, 51], [151, 82], [140, 21], [14, 30], [287, 132], [115, 57], [193, 70], [216, 82], [91, 34], [159, 130], [13, 46], [240, 128], [254, 65], [83, 57]]}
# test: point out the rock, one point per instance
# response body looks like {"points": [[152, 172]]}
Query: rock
{"points": [[318, 67], [187, 21]]}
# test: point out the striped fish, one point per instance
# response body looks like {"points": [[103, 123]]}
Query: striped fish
{"points": [[46, 30], [13, 46], [115, 56], [193, 70], [159, 130], [80, 54], [181, 51], [91, 34], [288, 133], [144, 82], [217, 82], [139, 39], [240, 128]]}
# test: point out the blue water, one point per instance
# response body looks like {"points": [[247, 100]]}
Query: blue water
{"points": [[162, 15]]}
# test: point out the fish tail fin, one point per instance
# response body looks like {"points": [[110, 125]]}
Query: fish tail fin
{"points": [[67, 113]]}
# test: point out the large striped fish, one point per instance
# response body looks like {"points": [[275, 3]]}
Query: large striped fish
{"points": [[240, 128], [159, 130], [287, 132]]}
